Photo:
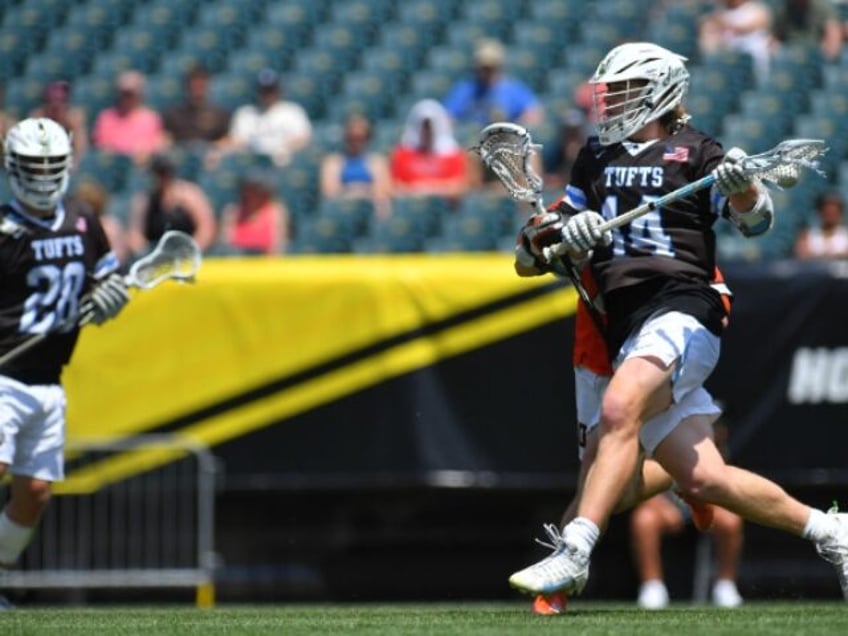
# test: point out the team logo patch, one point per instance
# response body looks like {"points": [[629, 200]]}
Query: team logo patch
{"points": [[676, 153]]}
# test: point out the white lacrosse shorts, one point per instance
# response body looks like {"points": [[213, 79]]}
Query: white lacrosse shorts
{"points": [[32, 429], [676, 337], [589, 393]]}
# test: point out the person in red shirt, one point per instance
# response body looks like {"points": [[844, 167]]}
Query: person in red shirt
{"points": [[429, 160]]}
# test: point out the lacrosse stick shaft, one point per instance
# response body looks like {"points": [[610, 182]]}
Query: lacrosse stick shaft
{"points": [[791, 153], [671, 197]]}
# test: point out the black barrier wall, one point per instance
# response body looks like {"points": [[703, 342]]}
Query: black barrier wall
{"points": [[452, 469]]}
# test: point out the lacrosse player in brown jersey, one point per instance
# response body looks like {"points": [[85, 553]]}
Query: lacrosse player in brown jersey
{"points": [[664, 319], [57, 271]]}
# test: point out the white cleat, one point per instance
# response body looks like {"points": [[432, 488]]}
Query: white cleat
{"points": [[834, 549], [653, 595], [725, 594], [566, 570]]}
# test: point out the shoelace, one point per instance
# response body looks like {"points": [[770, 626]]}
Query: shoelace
{"points": [[554, 536]]}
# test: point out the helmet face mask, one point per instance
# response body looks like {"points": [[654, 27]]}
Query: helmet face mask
{"points": [[37, 158], [635, 84]]}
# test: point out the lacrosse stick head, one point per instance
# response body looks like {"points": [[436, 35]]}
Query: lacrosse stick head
{"points": [[783, 164], [507, 150], [175, 257]]}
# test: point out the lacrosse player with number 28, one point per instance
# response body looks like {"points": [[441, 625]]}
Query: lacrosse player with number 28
{"points": [[663, 318], [57, 271]]}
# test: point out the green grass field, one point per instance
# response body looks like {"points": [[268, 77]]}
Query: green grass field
{"points": [[461, 619]]}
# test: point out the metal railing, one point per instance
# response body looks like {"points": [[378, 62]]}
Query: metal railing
{"points": [[137, 512]]}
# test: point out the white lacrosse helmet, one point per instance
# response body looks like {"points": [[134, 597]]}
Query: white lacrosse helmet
{"points": [[647, 81], [37, 157]]}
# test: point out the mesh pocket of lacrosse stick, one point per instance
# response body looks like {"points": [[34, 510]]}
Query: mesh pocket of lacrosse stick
{"points": [[782, 165], [507, 150], [175, 257]]}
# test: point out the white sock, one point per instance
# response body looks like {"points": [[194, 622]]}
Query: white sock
{"points": [[14, 538], [582, 534], [819, 526]]}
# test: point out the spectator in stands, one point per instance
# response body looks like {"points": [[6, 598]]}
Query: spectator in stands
{"points": [[814, 22], [828, 240], [258, 223], [130, 127], [170, 204], [355, 171], [491, 95], [667, 514], [195, 119], [95, 196], [739, 25], [272, 126], [56, 105], [7, 120], [429, 160]]}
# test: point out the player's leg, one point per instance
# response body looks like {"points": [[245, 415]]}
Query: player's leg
{"points": [[728, 536], [18, 520], [649, 522], [691, 457], [34, 453]]}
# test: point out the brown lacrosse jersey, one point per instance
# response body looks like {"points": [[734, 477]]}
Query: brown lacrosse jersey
{"points": [[45, 268]]}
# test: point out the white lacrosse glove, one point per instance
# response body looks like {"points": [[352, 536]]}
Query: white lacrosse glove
{"points": [[730, 178], [583, 232], [542, 231], [106, 300]]}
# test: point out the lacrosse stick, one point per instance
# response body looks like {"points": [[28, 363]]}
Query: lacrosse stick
{"points": [[781, 166], [507, 149], [175, 257]]}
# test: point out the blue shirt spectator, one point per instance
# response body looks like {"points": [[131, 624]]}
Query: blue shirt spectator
{"points": [[490, 95]]}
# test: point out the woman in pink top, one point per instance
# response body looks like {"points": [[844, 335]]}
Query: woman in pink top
{"points": [[258, 222], [429, 160], [129, 127]]}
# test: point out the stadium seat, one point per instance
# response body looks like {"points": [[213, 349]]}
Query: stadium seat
{"points": [[107, 168], [231, 90], [15, 47], [138, 47], [344, 43], [565, 16], [426, 213], [375, 91], [310, 89], [268, 40], [393, 235], [463, 34], [51, 65], [776, 113], [431, 83], [466, 234], [208, 43], [354, 214], [364, 16], [530, 64], [321, 235], [495, 212], [425, 16], [750, 132], [449, 59], [93, 93], [295, 18], [23, 93], [405, 40], [163, 90]]}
